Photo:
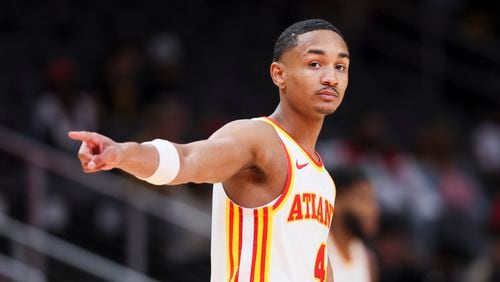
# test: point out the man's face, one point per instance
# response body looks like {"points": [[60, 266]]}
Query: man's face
{"points": [[315, 72], [360, 201]]}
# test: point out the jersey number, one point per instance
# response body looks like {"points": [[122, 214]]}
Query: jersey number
{"points": [[319, 265]]}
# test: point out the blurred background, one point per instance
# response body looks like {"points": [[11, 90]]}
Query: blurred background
{"points": [[421, 116]]}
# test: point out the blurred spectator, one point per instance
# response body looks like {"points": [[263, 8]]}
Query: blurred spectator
{"points": [[462, 198], [165, 57], [401, 185], [354, 226], [167, 118], [477, 25], [55, 213], [486, 148], [396, 253], [123, 86], [486, 267], [437, 150], [63, 106], [368, 139], [108, 219]]}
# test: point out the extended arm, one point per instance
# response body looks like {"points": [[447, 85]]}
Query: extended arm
{"points": [[226, 152]]}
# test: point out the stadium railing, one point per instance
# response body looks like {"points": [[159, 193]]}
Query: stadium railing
{"points": [[140, 200]]}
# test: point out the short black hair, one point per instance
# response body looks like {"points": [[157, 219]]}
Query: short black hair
{"points": [[288, 38], [346, 177]]}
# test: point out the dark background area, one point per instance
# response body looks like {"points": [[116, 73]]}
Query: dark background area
{"points": [[421, 114]]}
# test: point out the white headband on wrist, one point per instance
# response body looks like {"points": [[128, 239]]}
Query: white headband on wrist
{"points": [[168, 163]]}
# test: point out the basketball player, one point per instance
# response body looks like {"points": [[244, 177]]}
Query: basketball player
{"points": [[272, 197], [356, 219]]}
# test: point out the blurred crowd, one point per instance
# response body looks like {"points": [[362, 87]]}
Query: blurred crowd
{"points": [[439, 207], [421, 116]]}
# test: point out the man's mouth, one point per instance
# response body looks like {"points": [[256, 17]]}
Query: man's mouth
{"points": [[328, 93]]}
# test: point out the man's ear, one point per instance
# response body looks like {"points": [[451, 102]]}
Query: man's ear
{"points": [[278, 74]]}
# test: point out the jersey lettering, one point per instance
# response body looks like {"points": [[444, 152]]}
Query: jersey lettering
{"points": [[309, 206]]}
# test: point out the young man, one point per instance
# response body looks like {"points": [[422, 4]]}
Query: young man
{"points": [[272, 199], [356, 220]]}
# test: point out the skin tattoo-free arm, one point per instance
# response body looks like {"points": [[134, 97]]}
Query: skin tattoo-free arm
{"points": [[227, 151]]}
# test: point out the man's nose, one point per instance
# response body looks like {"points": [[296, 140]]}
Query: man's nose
{"points": [[329, 77]]}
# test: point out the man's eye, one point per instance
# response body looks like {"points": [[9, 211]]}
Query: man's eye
{"points": [[340, 67], [314, 65]]}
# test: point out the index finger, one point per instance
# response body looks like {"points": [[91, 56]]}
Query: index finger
{"points": [[83, 136]]}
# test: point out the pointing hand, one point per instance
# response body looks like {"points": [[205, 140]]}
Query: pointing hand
{"points": [[97, 152]]}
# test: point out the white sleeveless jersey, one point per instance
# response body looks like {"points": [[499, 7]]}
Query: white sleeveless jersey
{"points": [[355, 270], [284, 240]]}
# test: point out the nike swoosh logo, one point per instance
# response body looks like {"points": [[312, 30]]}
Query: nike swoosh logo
{"points": [[300, 166]]}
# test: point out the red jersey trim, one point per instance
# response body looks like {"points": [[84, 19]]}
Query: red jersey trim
{"points": [[288, 182]]}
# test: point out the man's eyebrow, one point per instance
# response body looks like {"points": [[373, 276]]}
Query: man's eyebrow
{"points": [[316, 51], [344, 55], [322, 52]]}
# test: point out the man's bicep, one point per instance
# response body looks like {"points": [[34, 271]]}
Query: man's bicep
{"points": [[217, 158]]}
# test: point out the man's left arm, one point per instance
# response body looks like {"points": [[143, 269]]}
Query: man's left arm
{"points": [[329, 276]]}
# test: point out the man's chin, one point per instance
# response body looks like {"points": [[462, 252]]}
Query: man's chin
{"points": [[326, 110]]}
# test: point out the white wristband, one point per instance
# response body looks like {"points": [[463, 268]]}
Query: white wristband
{"points": [[168, 163]]}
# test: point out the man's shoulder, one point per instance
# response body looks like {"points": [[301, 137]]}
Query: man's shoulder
{"points": [[256, 133], [250, 127]]}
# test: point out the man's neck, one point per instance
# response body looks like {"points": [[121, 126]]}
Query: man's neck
{"points": [[302, 129]]}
